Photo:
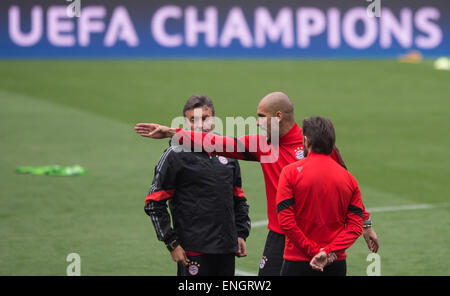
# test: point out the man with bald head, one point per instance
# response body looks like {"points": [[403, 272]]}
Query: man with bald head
{"points": [[282, 145], [278, 105]]}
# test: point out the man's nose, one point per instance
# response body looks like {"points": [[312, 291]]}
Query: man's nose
{"points": [[198, 125]]}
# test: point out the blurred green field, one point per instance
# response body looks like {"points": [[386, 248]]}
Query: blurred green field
{"points": [[392, 123]]}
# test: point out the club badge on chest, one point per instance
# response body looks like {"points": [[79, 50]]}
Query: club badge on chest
{"points": [[223, 160], [299, 153]]}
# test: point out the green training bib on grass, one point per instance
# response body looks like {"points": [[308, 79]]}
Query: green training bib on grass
{"points": [[54, 170]]}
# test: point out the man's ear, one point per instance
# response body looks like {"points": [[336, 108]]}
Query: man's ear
{"points": [[279, 115], [211, 122], [306, 142]]}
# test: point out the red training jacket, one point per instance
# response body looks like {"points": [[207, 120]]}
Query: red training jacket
{"points": [[289, 150], [319, 206]]}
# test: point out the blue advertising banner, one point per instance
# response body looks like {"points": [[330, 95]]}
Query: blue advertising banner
{"points": [[223, 28]]}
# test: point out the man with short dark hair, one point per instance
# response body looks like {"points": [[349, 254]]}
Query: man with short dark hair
{"points": [[197, 101], [319, 206], [208, 207]]}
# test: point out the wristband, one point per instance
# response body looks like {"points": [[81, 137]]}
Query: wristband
{"points": [[367, 223], [326, 250], [172, 245]]}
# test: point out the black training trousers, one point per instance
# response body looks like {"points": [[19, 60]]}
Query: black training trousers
{"points": [[208, 265], [272, 259], [302, 268]]}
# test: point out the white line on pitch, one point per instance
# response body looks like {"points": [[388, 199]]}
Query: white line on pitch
{"points": [[380, 210], [370, 210], [408, 207], [260, 223], [244, 273]]}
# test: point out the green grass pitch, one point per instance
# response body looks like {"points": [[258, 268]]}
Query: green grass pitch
{"points": [[392, 123]]}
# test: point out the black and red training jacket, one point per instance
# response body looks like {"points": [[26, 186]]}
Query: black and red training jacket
{"points": [[209, 209]]}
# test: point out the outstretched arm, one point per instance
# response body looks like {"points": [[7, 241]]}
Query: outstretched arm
{"points": [[244, 148], [154, 130]]}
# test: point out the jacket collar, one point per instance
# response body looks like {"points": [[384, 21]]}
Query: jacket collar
{"points": [[293, 136], [315, 154]]}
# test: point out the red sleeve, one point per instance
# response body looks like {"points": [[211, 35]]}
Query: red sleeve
{"points": [[366, 215], [244, 148], [336, 155], [354, 224], [286, 216]]}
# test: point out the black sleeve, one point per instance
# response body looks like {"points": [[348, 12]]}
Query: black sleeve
{"points": [[161, 190], [241, 207]]}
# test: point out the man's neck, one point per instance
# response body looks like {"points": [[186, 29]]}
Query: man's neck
{"points": [[286, 127]]}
